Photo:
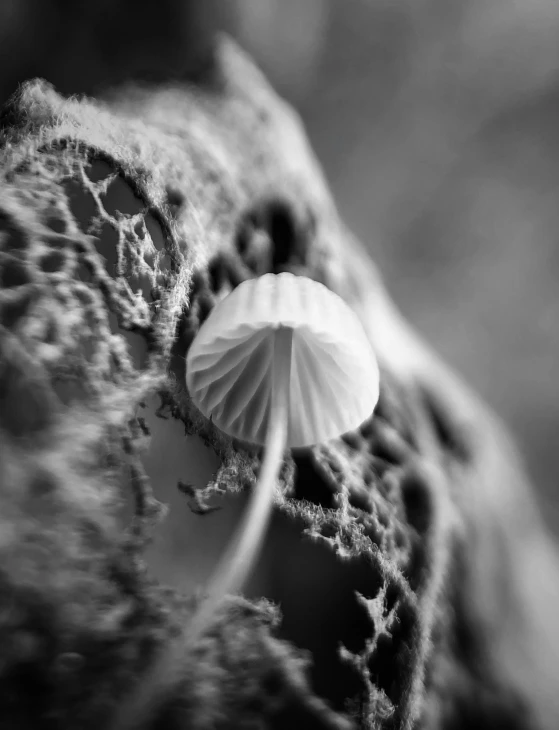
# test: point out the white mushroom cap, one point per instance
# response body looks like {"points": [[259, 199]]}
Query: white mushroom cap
{"points": [[334, 383]]}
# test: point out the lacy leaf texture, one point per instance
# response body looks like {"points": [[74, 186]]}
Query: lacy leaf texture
{"points": [[122, 222]]}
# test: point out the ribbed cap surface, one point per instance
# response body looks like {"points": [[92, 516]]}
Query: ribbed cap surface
{"points": [[334, 373]]}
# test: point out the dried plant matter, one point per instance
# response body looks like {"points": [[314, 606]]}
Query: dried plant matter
{"points": [[439, 615]]}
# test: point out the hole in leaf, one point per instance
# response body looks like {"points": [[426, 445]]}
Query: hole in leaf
{"points": [[415, 571], [11, 312], [198, 284], [165, 263], [175, 197], [142, 283], [99, 170], [81, 203], [449, 433], [107, 246], [416, 497], [84, 272], [137, 348], [205, 305], [155, 231], [328, 529], [309, 482], [137, 344], [315, 589], [56, 224], [283, 234], [53, 261], [16, 239], [287, 228], [401, 539], [149, 258], [316, 592], [13, 273], [120, 197], [187, 546], [217, 274], [360, 500], [390, 666]]}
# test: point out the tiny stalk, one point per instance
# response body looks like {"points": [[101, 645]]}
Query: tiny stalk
{"points": [[229, 368], [238, 560]]}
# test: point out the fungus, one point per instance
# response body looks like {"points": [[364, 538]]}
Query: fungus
{"points": [[280, 362]]}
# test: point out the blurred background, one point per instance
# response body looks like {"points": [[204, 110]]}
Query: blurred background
{"points": [[437, 123]]}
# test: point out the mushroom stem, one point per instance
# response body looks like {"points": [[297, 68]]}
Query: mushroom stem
{"points": [[239, 558]]}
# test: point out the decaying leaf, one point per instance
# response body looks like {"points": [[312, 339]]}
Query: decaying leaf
{"points": [[121, 224]]}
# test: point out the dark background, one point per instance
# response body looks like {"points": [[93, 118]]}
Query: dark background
{"points": [[437, 122]]}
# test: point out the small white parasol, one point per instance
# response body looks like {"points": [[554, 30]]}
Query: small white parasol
{"points": [[281, 361], [294, 323]]}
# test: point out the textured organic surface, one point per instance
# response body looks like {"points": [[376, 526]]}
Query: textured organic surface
{"points": [[421, 509]]}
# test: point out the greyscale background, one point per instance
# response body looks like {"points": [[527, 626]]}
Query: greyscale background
{"points": [[437, 123]]}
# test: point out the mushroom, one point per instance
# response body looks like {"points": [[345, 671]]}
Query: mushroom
{"points": [[280, 362]]}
